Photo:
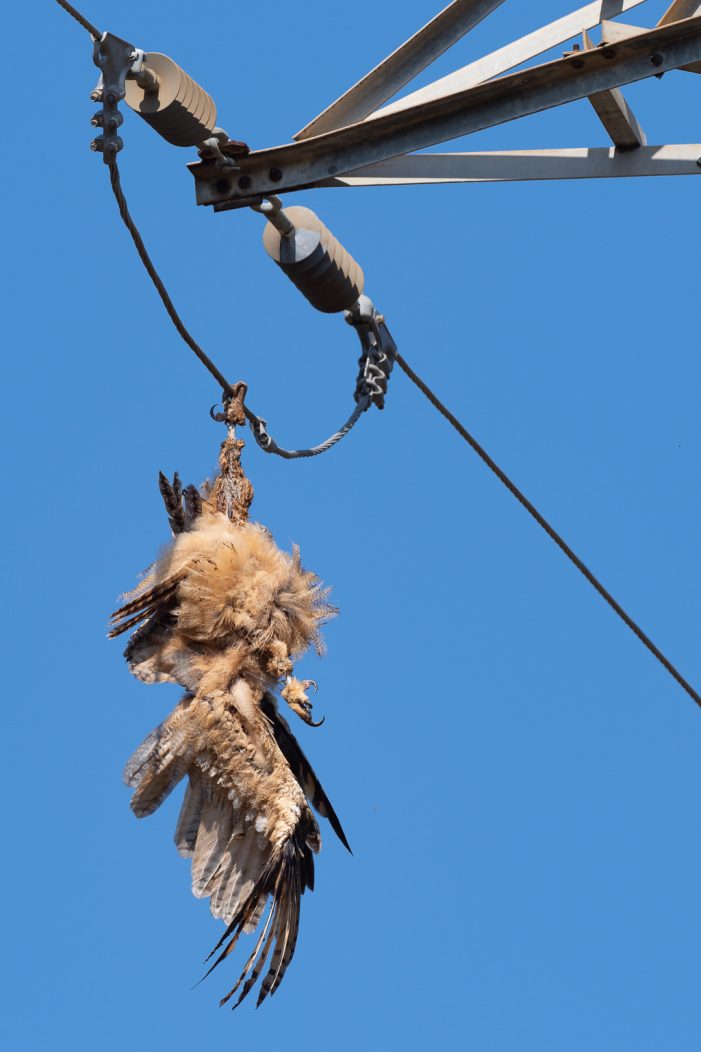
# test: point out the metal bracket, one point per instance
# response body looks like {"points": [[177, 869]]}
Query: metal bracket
{"points": [[379, 351], [115, 58], [211, 150]]}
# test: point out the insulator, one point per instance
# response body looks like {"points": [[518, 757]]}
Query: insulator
{"points": [[178, 108], [315, 261]]}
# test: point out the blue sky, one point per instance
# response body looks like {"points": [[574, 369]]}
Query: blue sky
{"points": [[517, 776]]}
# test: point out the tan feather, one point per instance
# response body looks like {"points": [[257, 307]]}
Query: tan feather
{"points": [[224, 612]]}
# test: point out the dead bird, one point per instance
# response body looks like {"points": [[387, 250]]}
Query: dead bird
{"points": [[225, 613]]}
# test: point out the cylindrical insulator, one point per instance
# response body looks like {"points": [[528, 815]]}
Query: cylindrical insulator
{"points": [[315, 261], [178, 108]]}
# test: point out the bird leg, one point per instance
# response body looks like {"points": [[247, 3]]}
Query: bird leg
{"points": [[232, 492], [294, 693]]}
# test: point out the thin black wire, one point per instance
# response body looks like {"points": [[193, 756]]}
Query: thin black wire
{"points": [[551, 532], [265, 441], [160, 287], [80, 19], [270, 446]]}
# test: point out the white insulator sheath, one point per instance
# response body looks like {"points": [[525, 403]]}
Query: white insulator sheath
{"points": [[315, 261], [177, 108]]}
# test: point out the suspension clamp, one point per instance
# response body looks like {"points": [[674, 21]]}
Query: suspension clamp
{"points": [[379, 351], [115, 58]]}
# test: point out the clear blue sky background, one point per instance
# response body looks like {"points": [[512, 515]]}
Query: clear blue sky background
{"points": [[518, 778]]}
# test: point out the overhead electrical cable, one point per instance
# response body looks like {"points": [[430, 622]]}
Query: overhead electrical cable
{"points": [[80, 19], [364, 397], [258, 425], [550, 530], [435, 401]]}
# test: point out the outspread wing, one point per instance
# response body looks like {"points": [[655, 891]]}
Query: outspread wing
{"points": [[244, 823], [224, 613]]}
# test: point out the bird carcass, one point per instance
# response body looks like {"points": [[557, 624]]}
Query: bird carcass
{"points": [[224, 613]]}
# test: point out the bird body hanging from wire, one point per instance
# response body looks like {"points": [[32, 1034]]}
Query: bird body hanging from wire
{"points": [[224, 613]]}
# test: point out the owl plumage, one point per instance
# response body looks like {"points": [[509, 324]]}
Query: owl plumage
{"points": [[224, 613]]}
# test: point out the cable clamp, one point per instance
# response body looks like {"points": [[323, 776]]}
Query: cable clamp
{"points": [[115, 58], [378, 352], [259, 427]]}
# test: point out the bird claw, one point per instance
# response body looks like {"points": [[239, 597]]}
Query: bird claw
{"points": [[295, 696]]}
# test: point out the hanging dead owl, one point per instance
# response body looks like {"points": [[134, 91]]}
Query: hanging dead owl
{"points": [[224, 613]]}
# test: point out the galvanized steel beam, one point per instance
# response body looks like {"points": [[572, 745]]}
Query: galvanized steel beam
{"points": [[516, 53], [526, 165], [615, 114], [314, 161]]}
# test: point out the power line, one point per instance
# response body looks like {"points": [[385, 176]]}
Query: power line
{"points": [[258, 425], [80, 19], [265, 441], [270, 446], [159, 286], [550, 530]]}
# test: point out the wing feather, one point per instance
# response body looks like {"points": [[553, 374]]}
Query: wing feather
{"points": [[301, 767], [189, 818]]}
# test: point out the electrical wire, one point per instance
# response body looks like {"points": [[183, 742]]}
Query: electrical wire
{"points": [[257, 424], [550, 530], [80, 19], [159, 286], [267, 443]]}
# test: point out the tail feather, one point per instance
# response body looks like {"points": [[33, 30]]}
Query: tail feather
{"points": [[246, 860], [266, 936], [212, 838], [172, 494], [288, 924], [189, 818], [286, 881]]}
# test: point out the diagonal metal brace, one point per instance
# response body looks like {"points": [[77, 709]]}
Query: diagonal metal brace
{"points": [[312, 161]]}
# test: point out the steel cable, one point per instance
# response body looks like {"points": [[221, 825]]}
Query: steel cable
{"points": [[550, 530], [80, 19], [257, 424], [266, 443]]}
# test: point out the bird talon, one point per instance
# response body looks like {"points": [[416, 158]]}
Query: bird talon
{"points": [[295, 696]]}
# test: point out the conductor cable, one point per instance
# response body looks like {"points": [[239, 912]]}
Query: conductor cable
{"points": [[80, 19], [257, 424], [550, 530]]}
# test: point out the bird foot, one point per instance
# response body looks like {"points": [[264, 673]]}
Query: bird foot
{"points": [[294, 693]]}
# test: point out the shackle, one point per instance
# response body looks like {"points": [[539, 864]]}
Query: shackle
{"points": [[170, 101], [308, 253]]}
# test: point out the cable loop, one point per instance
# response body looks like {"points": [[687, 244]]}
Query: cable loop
{"points": [[267, 443], [257, 424], [377, 359]]}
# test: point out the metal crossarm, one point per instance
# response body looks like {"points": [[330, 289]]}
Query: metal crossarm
{"points": [[352, 145], [313, 161]]}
